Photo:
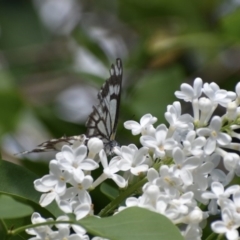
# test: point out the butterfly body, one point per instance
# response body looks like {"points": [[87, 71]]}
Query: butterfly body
{"points": [[103, 120]]}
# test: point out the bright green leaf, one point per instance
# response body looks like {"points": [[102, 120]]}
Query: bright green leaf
{"points": [[17, 182], [10, 208], [133, 224]]}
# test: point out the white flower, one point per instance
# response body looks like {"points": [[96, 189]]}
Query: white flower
{"points": [[94, 146], [217, 175], [194, 216], [193, 231], [57, 178], [109, 171], [207, 107], [233, 204], [168, 180], [176, 119], [50, 193], [189, 93], [129, 202], [145, 127], [218, 193], [231, 111], [193, 145], [217, 95], [41, 232], [227, 225], [183, 203], [152, 175], [159, 143], [80, 204], [133, 159], [215, 135], [151, 199], [77, 229], [75, 159], [53, 184], [231, 161], [200, 175], [65, 233], [184, 166], [83, 208]]}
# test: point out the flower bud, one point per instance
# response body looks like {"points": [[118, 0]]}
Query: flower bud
{"points": [[95, 145]]}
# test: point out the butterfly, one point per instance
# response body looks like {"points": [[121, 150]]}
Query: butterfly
{"points": [[102, 122]]}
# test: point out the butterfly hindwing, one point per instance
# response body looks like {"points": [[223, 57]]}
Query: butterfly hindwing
{"points": [[56, 144]]}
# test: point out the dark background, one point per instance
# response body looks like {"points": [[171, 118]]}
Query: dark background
{"points": [[55, 55]]}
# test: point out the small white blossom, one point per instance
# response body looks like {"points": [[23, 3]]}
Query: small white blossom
{"points": [[41, 232], [133, 159], [183, 203], [219, 193], [145, 127], [231, 111], [95, 145], [193, 231], [176, 119], [49, 195], [57, 177], [227, 226], [189, 93], [109, 171], [159, 143], [193, 145], [75, 159], [184, 166], [168, 180], [215, 136], [207, 107], [217, 95]]}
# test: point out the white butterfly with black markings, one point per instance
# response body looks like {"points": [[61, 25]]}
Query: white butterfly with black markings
{"points": [[103, 120]]}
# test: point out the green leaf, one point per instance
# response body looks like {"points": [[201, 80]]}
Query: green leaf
{"points": [[133, 224], [11, 224], [17, 182], [10, 208]]}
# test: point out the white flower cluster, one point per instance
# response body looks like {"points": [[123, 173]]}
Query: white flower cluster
{"points": [[186, 164]]}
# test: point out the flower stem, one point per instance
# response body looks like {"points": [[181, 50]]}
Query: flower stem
{"points": [[23, 228], [214, 236], [117, 201]]}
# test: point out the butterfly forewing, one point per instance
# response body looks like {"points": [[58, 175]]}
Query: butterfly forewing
{"points": [[102, 122]]}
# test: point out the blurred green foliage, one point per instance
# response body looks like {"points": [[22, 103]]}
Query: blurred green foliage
{"points": [[162, 43]]}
